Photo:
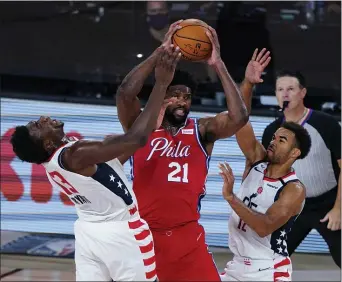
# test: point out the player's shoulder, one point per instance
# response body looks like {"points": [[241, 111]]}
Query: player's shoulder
{"points": [[295, 187]]}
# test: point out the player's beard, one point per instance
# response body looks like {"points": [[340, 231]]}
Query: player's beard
{"points": [[174, 119]]}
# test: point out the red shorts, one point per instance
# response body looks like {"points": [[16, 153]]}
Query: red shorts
{"points": [[182, 255]]}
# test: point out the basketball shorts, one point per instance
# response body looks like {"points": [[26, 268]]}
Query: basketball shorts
{"points": [[118, 251], [245, 269], [182, 255]]}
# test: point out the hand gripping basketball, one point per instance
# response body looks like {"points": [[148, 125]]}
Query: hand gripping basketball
{"points": [[168, 58], [172, 29]]}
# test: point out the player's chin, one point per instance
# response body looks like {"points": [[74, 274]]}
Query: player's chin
{"points": [[180, 117], [270, 155]]}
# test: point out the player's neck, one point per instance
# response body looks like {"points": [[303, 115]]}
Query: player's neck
{"points": [[277, 170], [66, 140], [295, 115], [170, 127]]}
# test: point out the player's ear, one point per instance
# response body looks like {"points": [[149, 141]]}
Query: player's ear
{"points": [[49, 145], [295, 153]]}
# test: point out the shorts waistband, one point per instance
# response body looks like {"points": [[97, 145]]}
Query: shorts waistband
{"points": [[249, 261]]}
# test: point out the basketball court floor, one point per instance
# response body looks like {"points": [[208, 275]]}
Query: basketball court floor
{"points": [[307, 267]]}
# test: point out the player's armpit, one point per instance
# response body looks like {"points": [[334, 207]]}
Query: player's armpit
{"points": [[223, 125], [253, 150], [124, 158], [289, 204]]}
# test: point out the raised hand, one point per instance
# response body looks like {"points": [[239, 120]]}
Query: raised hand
{"points": [[167, 102], [215, 53], [168, 58], [228, 180], [257, 65], [172, 29]]}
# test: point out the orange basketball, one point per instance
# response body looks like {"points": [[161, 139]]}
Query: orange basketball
{"points": [[192, 40]]}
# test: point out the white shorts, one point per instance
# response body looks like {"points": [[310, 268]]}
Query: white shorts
{"points": [[245, 269], [118, 251]]}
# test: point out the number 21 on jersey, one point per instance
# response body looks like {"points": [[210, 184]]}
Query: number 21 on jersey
{"points": [[178, 173]]}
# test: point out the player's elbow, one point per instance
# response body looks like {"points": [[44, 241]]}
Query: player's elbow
{"points": [[263, 232], [240, 119]]}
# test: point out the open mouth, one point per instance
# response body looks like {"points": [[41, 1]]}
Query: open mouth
{"points": [[180, 111], [270, 149]]}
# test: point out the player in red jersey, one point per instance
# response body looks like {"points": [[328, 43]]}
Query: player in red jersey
{"points": [[169, 173]]}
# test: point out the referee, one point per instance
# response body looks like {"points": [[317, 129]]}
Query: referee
{"points": [[319, 171]]}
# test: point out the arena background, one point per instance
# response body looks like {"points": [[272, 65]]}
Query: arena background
{"points": [[66, 59]]}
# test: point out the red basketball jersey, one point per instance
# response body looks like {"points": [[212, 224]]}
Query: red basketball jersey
{"points": [[169, 175]]}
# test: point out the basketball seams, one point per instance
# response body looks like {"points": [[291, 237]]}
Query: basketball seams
{"points": [[191, 54], [192, 39], [196, 29]]}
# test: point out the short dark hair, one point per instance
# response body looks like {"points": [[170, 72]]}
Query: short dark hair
{"points": [[296, 74], [27, 148], [303, 139], [184, 78]]}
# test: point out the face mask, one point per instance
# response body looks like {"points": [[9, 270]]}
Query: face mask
{"points": [[158, 21]]}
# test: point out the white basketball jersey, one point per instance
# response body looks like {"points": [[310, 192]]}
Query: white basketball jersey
{"points": [[107, 195], [259, 192]]}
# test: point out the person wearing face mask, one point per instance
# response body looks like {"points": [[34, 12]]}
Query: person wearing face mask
{"points": [[319, 171], [157, 19]]}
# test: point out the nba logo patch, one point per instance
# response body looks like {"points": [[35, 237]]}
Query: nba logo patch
{"points": [[187, 131], [259, 191]]}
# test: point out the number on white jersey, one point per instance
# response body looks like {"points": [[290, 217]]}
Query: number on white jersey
{"points": [[61, 181], [182, 172]]}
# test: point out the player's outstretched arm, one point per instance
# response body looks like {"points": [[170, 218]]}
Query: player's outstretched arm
{"points": [[127, 102], [84, 154], [249, 145], [227, 123], [289, 204]]}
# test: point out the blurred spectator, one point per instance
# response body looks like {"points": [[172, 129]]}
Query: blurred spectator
{"points": [[157, 17]]}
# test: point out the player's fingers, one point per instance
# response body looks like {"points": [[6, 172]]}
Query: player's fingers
{"points": [[224, 177], [229, 169], [330, 223], [222, 169], [169, 48], [176, 60], [264, 57], [208, 33], [325, 218], [254, 54], [173, 28], [262, 52], [214, 35], [175, 24], [265, 64]]}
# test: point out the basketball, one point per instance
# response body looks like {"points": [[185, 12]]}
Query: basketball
{"points": [[194, 44]]}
